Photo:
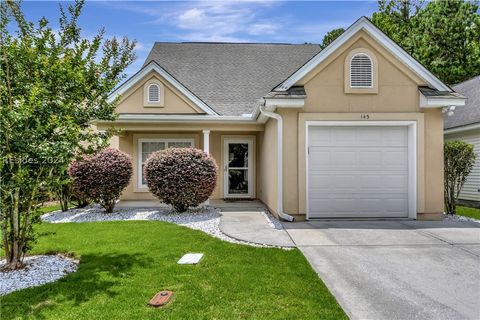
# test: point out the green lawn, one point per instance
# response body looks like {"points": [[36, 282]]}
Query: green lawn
{"points": [[468, 212], [123, 264], [50, 208]]}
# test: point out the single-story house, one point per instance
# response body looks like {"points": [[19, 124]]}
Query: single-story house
{"points": [[351, 131], [464, 124]]}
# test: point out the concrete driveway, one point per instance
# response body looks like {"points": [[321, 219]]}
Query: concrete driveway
{"points": [[396, 269]]}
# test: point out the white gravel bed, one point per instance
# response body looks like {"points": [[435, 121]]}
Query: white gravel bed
{"points": [[456, 217], [272, 221], [39, 270], [206, 219]]}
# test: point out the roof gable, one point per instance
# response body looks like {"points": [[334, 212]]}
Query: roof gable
{"points": [[367, 26], [231, 77], [153, 66]]}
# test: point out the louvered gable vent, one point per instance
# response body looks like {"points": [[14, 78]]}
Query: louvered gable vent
{"points": [[361, 71], [153, 93]]}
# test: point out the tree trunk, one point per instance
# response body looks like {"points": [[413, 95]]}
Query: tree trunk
{"points": [[63, 194], [14, 257], [109, 205]]}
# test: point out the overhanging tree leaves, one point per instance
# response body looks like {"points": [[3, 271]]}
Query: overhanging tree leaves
{"points": [[330, 36], [459, 158], [52, 85], [444, 36]]}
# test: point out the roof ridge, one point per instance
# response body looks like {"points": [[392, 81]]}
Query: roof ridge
{"points": [[238, 43]]}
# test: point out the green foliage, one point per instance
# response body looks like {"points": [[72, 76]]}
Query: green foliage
{"points": [[52, 85], [442, 35], [473, 213], [330, 36], [459, 158]]}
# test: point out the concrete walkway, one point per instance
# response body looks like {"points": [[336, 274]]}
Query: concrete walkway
{"points": [[253, 226], [396, 269]]}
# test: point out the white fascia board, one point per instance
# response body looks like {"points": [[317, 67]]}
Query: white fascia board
{"points": [[153, 66], [153, 118], [474, 126], [285, 102], [436, 102], [384, 40]]}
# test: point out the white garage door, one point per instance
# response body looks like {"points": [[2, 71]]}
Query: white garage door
{"points": [[356, 172]]}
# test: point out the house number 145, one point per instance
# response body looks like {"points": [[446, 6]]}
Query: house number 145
{"points": [[364, 116]]}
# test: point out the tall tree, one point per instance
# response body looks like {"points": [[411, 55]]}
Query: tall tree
{"points": [[394, 17], [447, 39], [443, 35], [52, 85], [330, 36]]}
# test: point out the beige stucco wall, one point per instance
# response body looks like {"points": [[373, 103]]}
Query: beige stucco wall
{"points": [[174, 102], [397, 99], [267, 168]]}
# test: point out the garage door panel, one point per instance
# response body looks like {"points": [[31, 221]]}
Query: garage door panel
{"points": [[360, 136], [324, 182], [344, 158], [360, 207], [362, 183], [358, 172]]}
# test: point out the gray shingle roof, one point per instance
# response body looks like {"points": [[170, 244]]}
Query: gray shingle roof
{"points": [[470, 113], [230, 77]]}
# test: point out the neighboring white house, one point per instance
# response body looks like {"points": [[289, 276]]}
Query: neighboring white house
{"points": [[464, 124]]}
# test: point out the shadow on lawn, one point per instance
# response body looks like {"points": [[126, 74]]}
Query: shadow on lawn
{"points": [[96, 275]]}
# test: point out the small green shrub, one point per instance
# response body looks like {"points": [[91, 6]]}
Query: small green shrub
{"points": [[181, 177], [459, 158]]}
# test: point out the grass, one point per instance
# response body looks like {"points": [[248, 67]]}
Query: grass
{"points": [[50, 208], [468, 212], [123, 264]]}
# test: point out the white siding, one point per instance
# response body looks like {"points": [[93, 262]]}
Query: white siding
{"points": [[472, 185]]}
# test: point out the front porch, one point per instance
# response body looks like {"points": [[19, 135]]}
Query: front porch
{"points": [[235, 148]]}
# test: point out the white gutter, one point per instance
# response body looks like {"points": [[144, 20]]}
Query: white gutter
{"points": [[279, 119], [285, 102], [154, 118], [438, 102]]}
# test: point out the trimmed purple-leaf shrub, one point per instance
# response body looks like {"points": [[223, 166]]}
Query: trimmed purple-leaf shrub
{"points": [[102, 177], [181, 177]]}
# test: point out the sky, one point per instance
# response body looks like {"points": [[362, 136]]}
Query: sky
{"points": [[212, 21]]}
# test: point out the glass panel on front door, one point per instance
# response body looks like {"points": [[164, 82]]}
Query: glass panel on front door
{"points": [[238, 169]]}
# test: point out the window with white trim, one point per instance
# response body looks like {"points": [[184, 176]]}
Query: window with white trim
{"points": [[147, 146], [154, 93], [361, 71]]}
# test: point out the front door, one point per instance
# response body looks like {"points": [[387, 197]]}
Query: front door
{"points": [[237, 181]]}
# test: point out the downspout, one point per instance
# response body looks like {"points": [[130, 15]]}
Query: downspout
{"points": [[279, 119]]}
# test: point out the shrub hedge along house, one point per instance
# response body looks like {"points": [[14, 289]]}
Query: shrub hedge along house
{"points": [[354, 130]]}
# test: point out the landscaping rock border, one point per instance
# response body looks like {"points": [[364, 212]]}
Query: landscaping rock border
{"points": [[451, 217], [39, 270], [206, 218]]}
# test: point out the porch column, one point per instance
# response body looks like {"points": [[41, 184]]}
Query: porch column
{"points": [[206, 148], [206, 141]]}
